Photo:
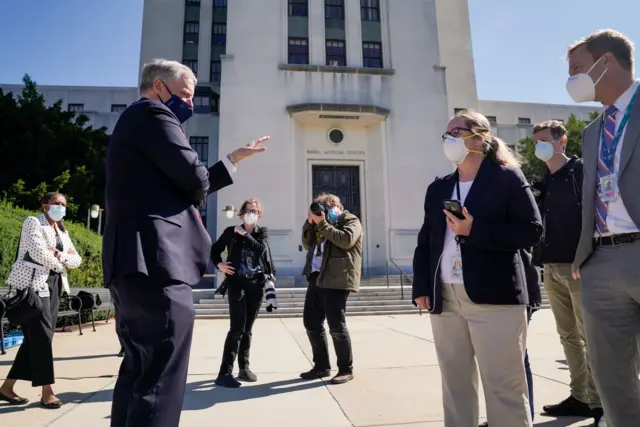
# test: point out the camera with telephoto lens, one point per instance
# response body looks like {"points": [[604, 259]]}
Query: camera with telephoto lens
{"points": [[317, 209]]}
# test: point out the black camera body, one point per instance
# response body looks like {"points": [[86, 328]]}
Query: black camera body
{"points": [[317, 209]]}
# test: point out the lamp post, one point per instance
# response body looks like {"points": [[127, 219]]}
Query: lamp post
{"points": [[95, 212], [229, 210]]}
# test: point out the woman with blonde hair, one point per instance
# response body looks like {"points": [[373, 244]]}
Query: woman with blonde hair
{"points": [[469, 273]]}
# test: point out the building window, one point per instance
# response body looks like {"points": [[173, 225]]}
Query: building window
{"points": [[220, 3], [524, 121], [457, 110], [202, 104], [219, 34], [118, 108], [216, 71], [192, 64], [298, 51], [372, 55], [334, 9], [191, 32], [370, 10], [75, 107], [200, 145], [336, 53], [193, 2], [492, 119], [298, 7]]}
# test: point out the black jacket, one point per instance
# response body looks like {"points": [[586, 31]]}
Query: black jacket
{"points": [[154, 182], [505, 221], [560, 204], [258, 240]]}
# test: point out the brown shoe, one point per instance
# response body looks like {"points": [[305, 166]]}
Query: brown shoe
{"points": [[342, 377]]}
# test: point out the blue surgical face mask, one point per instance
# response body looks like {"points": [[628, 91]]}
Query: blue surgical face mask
{"points": [[57, 212], [180, 108], [333, 214]]}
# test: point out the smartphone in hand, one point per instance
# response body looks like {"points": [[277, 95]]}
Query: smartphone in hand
{"points": [[454, 207]]}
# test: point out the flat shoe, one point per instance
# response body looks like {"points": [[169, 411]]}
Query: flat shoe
{"points": [[53, 405], [13, 400]]}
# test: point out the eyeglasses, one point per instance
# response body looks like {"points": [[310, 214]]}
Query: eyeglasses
{"points": [[252, 211], [455, 133]]}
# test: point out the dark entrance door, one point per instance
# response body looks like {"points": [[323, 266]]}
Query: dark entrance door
{"points": [[343, 181]]}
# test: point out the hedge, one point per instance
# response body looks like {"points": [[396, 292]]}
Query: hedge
{"points": [[87, 243]]}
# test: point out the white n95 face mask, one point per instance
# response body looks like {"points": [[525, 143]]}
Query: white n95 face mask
{"points": [[250, 218], [544, 150], [454, 149], [581, 87]]}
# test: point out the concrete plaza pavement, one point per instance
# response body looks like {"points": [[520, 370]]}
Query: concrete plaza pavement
{"points": [[397, 381]]}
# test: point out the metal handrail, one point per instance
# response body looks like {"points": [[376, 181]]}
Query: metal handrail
{"points": [[403, 274]]}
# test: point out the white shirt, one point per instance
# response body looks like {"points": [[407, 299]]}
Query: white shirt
{"points": [[618, 219], [316, 261], [450, 245], [227, 164]]}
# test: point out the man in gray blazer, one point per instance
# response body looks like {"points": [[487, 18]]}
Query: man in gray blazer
{"points": [[608, 255]]}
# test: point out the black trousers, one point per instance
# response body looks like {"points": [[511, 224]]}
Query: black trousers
{"points": [[245, 299], [34, 360], [321, 303], [154, 322], [119, 339]]}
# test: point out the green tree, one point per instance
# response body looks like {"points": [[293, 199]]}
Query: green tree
{"points": [[533, 167], [48, 149]]}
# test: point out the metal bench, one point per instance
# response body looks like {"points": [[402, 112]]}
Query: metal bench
{"points": [[106, 305]]}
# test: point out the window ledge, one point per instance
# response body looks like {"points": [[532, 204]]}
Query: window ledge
{"points": [[343, 70]]}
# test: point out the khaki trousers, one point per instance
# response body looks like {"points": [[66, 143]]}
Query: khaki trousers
{"points": [[564, 297], [495, 336]]}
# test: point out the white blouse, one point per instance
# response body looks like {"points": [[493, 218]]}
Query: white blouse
{"points": [[37, 239]]}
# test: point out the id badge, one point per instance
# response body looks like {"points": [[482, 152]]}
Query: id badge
{"points": [[609, 188], [456, 265]]}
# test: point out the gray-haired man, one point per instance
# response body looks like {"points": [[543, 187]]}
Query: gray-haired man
{"points": [[155, 245]]}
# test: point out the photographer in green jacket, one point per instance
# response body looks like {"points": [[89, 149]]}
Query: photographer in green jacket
{"points": [[333, 239]]}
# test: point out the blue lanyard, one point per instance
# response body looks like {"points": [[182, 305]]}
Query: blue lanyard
{"points": [[608, 153]]}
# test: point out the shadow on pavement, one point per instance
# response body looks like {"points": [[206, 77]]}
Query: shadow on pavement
{"points": [[199, 395], [205, 394], [557, 422], [9, 362]]}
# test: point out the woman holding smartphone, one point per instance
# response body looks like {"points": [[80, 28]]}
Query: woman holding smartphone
{"points": [[469, 273]]}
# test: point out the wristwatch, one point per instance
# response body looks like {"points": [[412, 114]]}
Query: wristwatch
{"points": [[232, 159]]}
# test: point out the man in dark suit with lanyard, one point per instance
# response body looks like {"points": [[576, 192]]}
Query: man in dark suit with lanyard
{"points": [[601, 69], [155, 245]]}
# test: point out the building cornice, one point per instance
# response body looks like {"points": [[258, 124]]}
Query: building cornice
{"points": [[343, 108]]}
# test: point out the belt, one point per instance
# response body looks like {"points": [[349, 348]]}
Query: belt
{"points": [[617, 239], [249, 276]]}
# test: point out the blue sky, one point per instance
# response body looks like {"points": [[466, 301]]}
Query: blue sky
{"points": [[518, 45]]}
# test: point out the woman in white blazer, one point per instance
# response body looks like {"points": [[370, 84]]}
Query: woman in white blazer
{"points": [[45, 254]]}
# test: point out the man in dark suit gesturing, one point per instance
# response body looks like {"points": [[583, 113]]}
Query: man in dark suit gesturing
{"points": [[155, 245]]}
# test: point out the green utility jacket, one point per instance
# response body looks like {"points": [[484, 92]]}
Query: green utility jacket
{"points": [[342, 255]]}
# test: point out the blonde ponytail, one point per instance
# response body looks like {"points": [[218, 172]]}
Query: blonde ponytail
{"points": [[501, 153]]}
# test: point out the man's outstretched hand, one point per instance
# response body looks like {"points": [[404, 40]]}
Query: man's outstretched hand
{"points": [[250, 149]]}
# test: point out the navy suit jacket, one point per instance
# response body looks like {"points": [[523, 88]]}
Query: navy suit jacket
{"points": [[154, 184], [506, 220]]}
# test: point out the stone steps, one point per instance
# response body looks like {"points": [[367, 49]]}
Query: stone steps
{"points": [[374, 298]]}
